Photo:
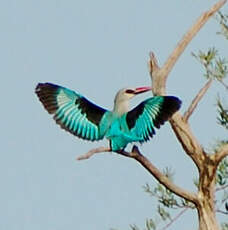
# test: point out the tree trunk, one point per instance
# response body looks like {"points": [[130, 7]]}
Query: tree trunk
{"points": [[206, 215], [206, 194]]}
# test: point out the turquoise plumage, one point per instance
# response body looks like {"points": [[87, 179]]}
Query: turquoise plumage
{"points": [[84, 119]]}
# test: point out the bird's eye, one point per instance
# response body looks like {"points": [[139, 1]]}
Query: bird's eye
{"points": [[129, 91]]}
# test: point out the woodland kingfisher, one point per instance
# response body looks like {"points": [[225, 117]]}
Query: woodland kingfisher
{"points": [[121, 126]]}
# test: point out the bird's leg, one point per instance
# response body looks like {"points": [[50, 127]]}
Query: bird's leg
{"points": [[134, 152], [123, 152], [94, 151]]}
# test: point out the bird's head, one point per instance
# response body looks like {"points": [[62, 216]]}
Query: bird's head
{"points": [[128, 93], [124, 95]]}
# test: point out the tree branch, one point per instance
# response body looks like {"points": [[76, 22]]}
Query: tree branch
{"points": [[175, 218], [153, 63], [203, 201], [206, 164], [135, 154], [221, 153], [93, 151], [159, 76], [196, 100]]}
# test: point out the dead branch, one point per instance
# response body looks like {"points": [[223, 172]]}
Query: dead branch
{"points": [[196, 100], [135, 154], [153, 63], [175, 218], [93, 151]]}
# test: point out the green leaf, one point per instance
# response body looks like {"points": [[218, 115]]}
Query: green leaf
{"points": [[150, 224]]}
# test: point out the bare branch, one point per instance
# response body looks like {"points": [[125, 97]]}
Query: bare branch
{"points": [[188, 37], [158, 82], [196, 100], [153, 63], [221, 153], [175, 218], [135, 154], [94, 151]]}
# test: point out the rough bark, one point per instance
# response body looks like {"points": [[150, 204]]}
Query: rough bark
{"points": [[206, 194]]}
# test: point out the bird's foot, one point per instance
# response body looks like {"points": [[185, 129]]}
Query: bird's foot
{"points": [[135, 149]]}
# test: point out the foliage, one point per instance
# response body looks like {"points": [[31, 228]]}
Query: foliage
{"points": [[223, 21], [222, 173], [224, 226], [150, 225], [222, 186], [167, 201], [223, 114], [215, 66]]}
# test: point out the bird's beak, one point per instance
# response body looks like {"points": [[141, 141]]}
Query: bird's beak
{"points": [[142, 89]]}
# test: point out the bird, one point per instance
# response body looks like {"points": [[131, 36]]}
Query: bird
{"points": [[121, 126]]}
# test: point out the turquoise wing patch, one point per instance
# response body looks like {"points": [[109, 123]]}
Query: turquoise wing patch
{"points": [[71, 111], [149, 114]]}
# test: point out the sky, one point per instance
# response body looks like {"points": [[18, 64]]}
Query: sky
{"points": [[94, 48]]}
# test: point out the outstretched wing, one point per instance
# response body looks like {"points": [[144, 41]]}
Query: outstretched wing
{"points": [[72, 112], [151, 113]]}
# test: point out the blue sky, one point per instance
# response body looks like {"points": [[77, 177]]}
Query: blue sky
{"points": [[95, 48]]}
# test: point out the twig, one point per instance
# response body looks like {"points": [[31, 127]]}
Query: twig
{"points": [[224, 84], [196, 100], [221, 188], [222, 212], [153, 63], [175, 218], [93, 151], [135, 154]]}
